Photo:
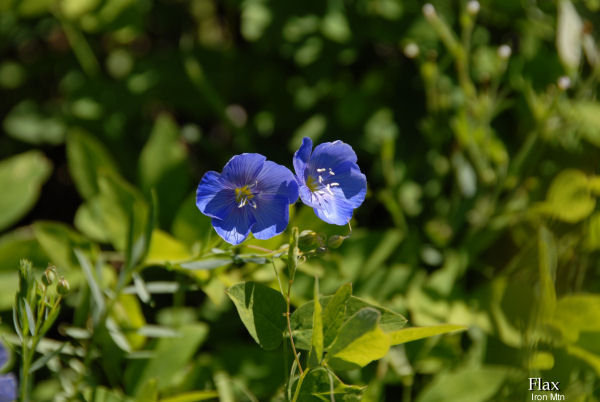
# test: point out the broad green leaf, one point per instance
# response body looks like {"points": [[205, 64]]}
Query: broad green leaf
{"points": [[59, 242], [171, 355], [87, 157], [163, 166], [261, 310], [473, 384], [88, 220], [26, 122], [148, 392], [319, 384], [547, 268], [316, 350], [128, 314], [119, 205], [592, 238], [165, 248], [335, 313], [414, 333], [568, 35], [569, 197], [586, 114], [576, 313], [21, 179], [541, 361], [359, 341], [18, 244], [301, 319]]}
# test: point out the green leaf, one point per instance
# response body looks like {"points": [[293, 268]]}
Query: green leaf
{"points": [[87, 158], [576, 313], [316, 350], [261, 309], [149, 391], [210, 263], [568, 35], [335, 312], [319, 384], [119, 205], [414, 333], [359, 341], [26, 122], [165, 248], [569, 197], [473, 384], [21, 179], [42, 360], [163, 166], [171, 356], [95, 286], [18, 244], [301, 319], [58, 242]]}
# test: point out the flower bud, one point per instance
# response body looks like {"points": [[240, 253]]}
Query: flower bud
{"points": [[63, 286], [504, 52], [335, 241], [307, 239], [473, 7], [49, 275], [429, 10], [564, 83]]}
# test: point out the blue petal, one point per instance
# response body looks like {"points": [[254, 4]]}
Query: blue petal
{"points": [[352, 183], [334, 209], [213, 197], [307, 196], [235, 227], [272, 216], [8, 388], [302, 156], [242, 170], [275, 179], [330, 154], [3, 355]]}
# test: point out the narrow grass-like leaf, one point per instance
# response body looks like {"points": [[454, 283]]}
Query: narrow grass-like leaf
{"points": [[16, 324], [141, 289], [156, 331], [207, 264], [41, 362], [30, 317], [86, 266], [192, 396]]}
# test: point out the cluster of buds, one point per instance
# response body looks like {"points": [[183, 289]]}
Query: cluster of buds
{"points": [[50, 277]]}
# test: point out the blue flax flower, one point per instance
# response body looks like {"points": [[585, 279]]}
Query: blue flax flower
{"points": [[330, 180], [251, 194], [8, 382]]}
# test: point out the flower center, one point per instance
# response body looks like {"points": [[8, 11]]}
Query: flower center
{"points": [[243, 196], [321, 185]]}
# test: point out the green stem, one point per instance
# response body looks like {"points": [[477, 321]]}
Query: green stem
{"points": [[297, 391]]}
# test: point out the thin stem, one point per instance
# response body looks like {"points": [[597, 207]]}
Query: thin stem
{"points": [[289, 325], [297, 391]]}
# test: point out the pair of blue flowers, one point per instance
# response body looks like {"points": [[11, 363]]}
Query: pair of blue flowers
{"points": [[253, 194]]}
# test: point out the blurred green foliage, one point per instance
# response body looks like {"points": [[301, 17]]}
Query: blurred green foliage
{"points": [[478, 133]]}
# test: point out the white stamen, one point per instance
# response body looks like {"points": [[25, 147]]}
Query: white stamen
{"points": [[321, 170], [334, 184], [331, 172], [242, 203], [320, 179], [252, 203], [320, 192], [328, 189]]}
